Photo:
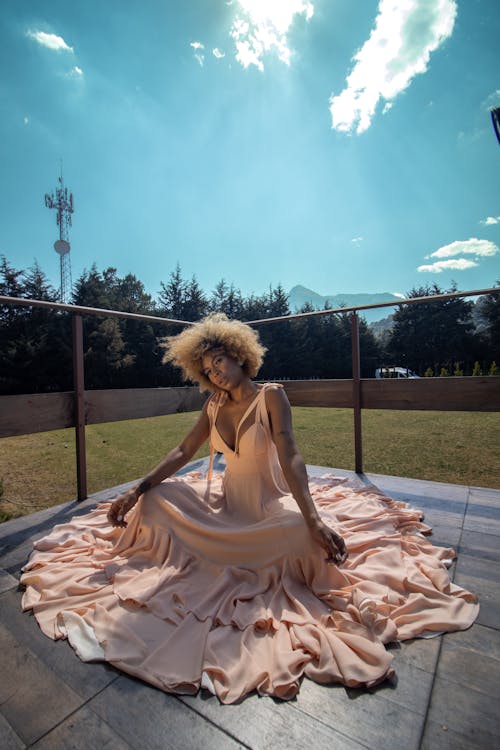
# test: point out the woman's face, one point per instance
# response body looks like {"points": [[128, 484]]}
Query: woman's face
{"points": [[223, 371]]}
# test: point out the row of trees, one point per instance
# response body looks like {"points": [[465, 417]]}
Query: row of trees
{"points": [[35, 344]]}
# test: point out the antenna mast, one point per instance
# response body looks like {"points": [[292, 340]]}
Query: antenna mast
{"points": [[63, 203]]}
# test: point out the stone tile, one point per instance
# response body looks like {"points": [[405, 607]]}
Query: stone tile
{"points": [[483, 579], [480, 639], [262, 723], [150, 719], [32, 698], [410, 688], [9, 740], [334, 717], [365, 716], [480, 545], [13, 559], [81, 731], [7, 581], [485, 495], [17, 536], [473, 656], [483, 512], [472, 716], [420, 487], [86, 679], [438, 517], [42, 518], [436, 503], [442, 737], [421, 653], [444, 536]]}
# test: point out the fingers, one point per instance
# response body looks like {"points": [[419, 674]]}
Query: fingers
{"points": [[118, 511], [115, 517], [337, 552]]}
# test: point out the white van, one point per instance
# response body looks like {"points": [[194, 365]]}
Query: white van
{"points": [[395, 372]]}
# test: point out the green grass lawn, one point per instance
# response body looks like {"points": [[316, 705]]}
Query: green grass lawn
{"points": [[37, 471]]}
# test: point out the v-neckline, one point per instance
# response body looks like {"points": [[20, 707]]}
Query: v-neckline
{"points": [[245, 415]]}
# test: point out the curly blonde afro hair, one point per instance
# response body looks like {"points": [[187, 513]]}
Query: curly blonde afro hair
{"points": [[216, 331]]}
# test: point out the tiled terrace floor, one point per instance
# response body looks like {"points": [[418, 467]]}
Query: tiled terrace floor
{"points": [[447, 693]]}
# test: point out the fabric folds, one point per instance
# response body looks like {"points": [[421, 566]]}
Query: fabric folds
{"points": [[216, 582]]}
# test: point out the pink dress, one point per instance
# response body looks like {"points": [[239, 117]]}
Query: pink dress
{"points": [[217, 583]]}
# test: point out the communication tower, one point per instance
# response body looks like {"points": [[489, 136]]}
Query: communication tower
{"points": [[63, 203]]}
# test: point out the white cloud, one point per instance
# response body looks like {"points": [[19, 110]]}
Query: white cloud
{"points": [[26, 120], [261, 26], [357, 240], [398, 294], [52, 41], [399, 47], [490, 221], [479, 248], [75, 72], [460, 264], [218, 53], [198, 54]]}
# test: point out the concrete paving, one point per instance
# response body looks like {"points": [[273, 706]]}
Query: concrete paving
{"points": [[446, 695]]}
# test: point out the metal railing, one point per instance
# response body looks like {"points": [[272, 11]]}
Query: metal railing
{"points": [[482, 395]]}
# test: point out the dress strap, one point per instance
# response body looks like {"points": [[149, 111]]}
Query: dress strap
{"points": [[212, 410], [262, 408]]}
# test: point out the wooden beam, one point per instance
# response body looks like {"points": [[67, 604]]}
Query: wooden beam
{"points": [[136, 403], [433, 394], [38, 412], [333, 393], [35, 412]]}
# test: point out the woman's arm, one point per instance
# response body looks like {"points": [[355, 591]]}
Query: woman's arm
{"points": [[173, 461], [295, 472]]}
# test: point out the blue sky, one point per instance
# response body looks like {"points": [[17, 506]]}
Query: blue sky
{"points": [[346, 146]]}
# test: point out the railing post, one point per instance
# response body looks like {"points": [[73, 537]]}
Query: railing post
{"points": [[356, 394], [79, 390]]}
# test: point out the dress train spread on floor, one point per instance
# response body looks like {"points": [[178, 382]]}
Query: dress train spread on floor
{"points": [[217, 583]]}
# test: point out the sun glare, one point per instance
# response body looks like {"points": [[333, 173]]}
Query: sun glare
{"points": [[261, 26]]}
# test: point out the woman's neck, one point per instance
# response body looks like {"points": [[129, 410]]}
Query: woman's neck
{"points": [[243, 391]]}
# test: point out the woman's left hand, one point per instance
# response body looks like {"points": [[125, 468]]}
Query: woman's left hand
{"points": [[332, 542]]}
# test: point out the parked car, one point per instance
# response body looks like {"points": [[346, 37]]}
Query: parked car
{"points": [[395, 372]]}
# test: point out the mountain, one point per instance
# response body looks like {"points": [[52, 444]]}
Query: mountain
{"points": [[300, 295]]}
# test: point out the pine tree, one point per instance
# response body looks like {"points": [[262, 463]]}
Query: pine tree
{"points": [[105, 353], [35, 344], [489, 306], [432, 334], [195, 305], [172, 295], [228, 300]]}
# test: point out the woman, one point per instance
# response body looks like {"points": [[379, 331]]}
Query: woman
{"points": [[233, 582], [210, 354]]}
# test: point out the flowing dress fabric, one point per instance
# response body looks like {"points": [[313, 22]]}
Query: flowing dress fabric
{"points": [[216, 581]]}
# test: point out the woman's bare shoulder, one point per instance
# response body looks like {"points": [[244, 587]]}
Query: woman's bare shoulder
{"points": [[275, 395]]}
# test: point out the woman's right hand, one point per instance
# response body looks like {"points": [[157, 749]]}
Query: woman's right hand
{"points": [[331, 542], [121, 506]]}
